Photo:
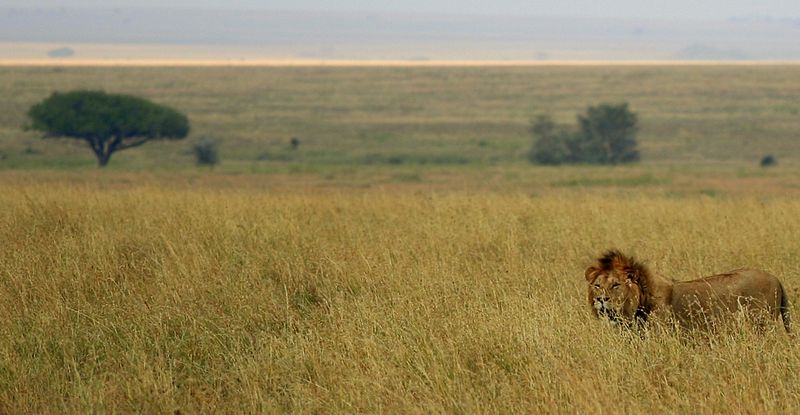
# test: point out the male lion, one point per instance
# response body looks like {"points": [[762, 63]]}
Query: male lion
{"points": [[624, 291]]}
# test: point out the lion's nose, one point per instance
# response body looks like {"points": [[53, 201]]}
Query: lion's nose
{"points": [[604, 299]]}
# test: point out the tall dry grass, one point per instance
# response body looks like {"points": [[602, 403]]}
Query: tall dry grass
{"points": [[138, 299]]}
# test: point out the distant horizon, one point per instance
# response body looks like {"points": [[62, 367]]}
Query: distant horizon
{"points": [[147, 32], [411, 13], [623, 9], [294, 62]]}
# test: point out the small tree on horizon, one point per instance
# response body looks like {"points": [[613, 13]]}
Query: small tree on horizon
{"points": [[606, 134], [107, 122], [609, 134]]}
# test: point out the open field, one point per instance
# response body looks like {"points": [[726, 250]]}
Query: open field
{"points": [[417, 116], [405, 259], [147, 293]]}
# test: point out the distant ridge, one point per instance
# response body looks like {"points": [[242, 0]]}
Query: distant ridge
{"points": [[377, 63], [374, 36]]}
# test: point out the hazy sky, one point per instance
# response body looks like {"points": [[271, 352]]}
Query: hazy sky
{"points": [[693, 9]]}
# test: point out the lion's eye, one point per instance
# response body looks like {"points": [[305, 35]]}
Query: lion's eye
{"points": [[615, 285], [597, 286]]}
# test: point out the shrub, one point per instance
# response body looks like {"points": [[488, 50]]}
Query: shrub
{"points": [[606, 134], [206, 152], [551, 145]]}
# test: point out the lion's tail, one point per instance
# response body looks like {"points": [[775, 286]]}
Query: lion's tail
{"points": [[785, 313]]}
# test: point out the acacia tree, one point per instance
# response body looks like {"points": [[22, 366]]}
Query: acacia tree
{"points": [[107, 122]]}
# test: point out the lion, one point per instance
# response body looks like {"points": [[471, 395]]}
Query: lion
{"points": [[625, 292]]}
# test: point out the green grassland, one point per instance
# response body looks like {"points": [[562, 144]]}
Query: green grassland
{"points": [[420, 116]]}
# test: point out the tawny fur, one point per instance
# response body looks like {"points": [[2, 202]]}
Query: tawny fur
{"points": [[624, 290]]}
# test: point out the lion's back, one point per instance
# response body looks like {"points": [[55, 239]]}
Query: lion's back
{"points": [[730, 291]]}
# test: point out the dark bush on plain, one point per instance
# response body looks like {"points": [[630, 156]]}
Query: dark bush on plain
{"points": [[606, 134], [206, 152]]}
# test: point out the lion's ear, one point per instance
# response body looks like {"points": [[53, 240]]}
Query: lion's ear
{"points": [[632, 275], [591, 273]]}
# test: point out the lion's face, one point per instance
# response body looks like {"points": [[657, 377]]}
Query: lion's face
{"points": [[613, 294]]}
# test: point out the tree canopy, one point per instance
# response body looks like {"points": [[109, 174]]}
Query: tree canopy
{"points": [[107, 122], [609, 134]]}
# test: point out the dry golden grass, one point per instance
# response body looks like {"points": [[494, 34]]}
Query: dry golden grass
{"points": [[141, 298]]}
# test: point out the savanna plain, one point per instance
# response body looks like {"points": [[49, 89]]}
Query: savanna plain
{"points": [[405, 258]]}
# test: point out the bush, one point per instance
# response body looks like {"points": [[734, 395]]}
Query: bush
{"points": [[606, 134], [768, 161], [206, 152], [551, 145]]}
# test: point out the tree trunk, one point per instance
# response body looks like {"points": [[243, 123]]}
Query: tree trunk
{"points": [[102, 159], [102, 151]]}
